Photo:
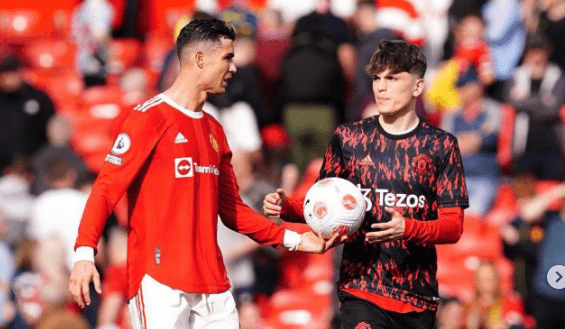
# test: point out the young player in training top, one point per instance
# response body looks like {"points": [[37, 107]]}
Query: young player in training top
{"points": [[412, 177], [173, 161]]}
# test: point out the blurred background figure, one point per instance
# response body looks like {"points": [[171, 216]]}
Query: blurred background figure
{"points": [[450, 314], [312, 88], [248, 277], [24, 112], [491, 306], [469, 48], [506, 34], [369, 35], [58, 210], [135, 87], [7, 308], [16, 201], [92, 36], [535, 241], [476, 127], [551, 23], [59, 133], [273, 40], [537, 93], [113, 312]]}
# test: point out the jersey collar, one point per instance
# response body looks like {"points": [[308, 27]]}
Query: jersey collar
{"points": [[405, 134], [192, 114]]}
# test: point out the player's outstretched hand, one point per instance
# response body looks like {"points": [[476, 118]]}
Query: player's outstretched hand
{"points": [[272, 204], [388, 231], [83, 272], [315, 244]]}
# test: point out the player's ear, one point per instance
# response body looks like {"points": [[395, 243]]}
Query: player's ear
{"points": [[418, 87], [199, 58]]}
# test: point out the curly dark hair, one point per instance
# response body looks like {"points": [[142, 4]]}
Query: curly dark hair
{"points": [[203, 29], [397, 56]]}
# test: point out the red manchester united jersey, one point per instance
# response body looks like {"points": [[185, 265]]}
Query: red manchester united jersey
{"points": [[174, 165]]}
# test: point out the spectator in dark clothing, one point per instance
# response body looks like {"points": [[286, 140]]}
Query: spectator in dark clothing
{"points": [[369, 36], [542, 248], [336, 30], [476, 125], [537, 92], [552, 24], [24, 112], [59, 131]]}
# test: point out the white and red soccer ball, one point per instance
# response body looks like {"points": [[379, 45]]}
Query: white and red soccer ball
{"points": [[334, 205]]}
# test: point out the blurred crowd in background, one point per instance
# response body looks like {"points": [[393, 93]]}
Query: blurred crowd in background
{"points": [[71, 70]]}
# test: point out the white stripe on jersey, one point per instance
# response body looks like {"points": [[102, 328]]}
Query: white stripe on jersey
{"points": [[148, 104]]}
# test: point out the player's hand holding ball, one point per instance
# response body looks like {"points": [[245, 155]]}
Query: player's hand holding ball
{"points": [[389, 231], [315, 243]]}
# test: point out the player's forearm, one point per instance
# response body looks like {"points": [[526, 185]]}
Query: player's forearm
{"points": [[98, 209], [448, 228], [293, 210]]}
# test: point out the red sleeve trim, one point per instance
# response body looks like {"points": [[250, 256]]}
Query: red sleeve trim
{"points": [[446, 229], [293, 210]]}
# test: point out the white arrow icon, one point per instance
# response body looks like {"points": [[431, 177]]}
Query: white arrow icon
{"points": [[555, 277]]}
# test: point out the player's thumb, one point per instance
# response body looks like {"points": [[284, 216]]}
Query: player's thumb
{"points": [[281, 195], [390, 210]]}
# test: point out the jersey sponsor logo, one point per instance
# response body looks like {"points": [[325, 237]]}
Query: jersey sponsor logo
{"points": [[399, 199], [185, 167], [214, 143], [180, 139], [114, 159], [389, 199], [422, 164], [122, 144]]}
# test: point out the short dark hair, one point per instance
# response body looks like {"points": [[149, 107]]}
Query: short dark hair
{"points": [[203, 29], [397, 56], [538, 41], [10, 63], [57, 167]]}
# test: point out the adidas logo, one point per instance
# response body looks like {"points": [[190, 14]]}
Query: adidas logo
{"points": [[367, 161], [180, 139]]}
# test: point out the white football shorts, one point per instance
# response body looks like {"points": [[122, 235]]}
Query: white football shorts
{"points": [[157, 306]]}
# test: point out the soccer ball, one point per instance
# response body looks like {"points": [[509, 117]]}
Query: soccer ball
{"points": [[334, 205]]}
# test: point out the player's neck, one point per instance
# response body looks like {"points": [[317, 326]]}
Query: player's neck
{"points": [[399, 122], [186, 93]]}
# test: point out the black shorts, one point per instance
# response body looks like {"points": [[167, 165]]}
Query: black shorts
{"points": [[357, 313]]}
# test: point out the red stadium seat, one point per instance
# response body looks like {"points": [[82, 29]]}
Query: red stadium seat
{"points": [[156, 48], [22, 25], [124, 54], [299, 309], [65, 88], [51, 54]]}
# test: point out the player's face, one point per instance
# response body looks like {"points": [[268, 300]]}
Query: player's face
{"points": [[221, 67], [395, 92]]}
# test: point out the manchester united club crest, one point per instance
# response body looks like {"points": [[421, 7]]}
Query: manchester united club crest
{"points": [[214, 143], [422, 164]]}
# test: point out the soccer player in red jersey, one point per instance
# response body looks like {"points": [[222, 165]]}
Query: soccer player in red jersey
{"points": [[413, 181], [173, 161]]}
